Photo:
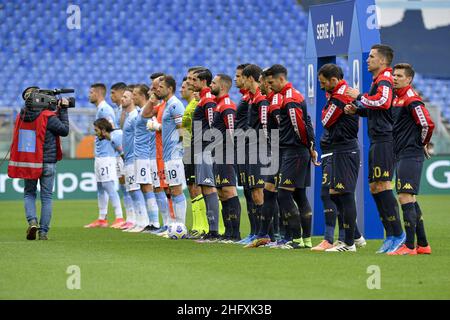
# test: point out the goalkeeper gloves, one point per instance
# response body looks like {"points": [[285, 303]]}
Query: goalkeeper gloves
{"points": [[153, 125]]}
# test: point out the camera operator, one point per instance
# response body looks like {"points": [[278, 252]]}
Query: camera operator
{"points": [[35, 150]]}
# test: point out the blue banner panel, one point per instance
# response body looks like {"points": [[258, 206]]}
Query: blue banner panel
{"points": [[332, 25]]}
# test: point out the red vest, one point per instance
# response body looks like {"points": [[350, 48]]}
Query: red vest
{"points": [[27, 149]]}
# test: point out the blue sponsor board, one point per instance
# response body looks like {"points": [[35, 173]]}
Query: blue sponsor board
{"points": [[332, 25], [346, 28]]}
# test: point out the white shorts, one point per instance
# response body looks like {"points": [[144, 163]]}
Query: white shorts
{"points": [[105, 169], [154, 171], [174, 171], [143, 171], [130, 177], [120, 167]]}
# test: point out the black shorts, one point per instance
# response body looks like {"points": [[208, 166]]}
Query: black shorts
{"points": [[408, 172], [381, 161], [326, 173], [295, 169], [254, 177], [344, 171], [241, 170], [241, 164], [225, 175], [273, 170], [189, 170], [273, 179]]}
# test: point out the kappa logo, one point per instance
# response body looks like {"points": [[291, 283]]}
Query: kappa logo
{"points": [[407, 186], [260, 181], [386, 174], [225, 180], [287, 181], [207, 180], [339, 186]]}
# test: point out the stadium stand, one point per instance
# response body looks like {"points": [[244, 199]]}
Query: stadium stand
{"points": [[127, 40]]}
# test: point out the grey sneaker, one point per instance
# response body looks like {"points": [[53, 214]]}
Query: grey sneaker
{"points": [[31, 231], [43, 236]]}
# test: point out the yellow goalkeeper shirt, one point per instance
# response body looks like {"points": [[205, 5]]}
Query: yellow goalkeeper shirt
{"points": [[187, 119]]}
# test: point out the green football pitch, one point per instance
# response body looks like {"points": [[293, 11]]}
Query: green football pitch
{"points": [[118, 265]]}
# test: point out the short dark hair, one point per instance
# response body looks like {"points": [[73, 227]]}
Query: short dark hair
{"points": [[99, 86], [252, 70], [204, 74], [331, 70], [226, 79], [409, 70], [385, 51], [103, 124], [170, 82], [119, 86], [143, 89], [130, 87], [263, 73], [155, 75], [195, 68], [275, 70], [242, 66], [184, 79]]}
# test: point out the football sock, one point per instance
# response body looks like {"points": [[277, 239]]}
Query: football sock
{"points": [[410, 220], [226, 218], [420, 228], [194, 214], [235, 216], [276, 218], [290, 212], [305, 211], [281, 222], [202, 221], [179, 206], [110, 188], [349, 206], [127, 202], [268, 210], [391, 211], [171, 210], [152, 209], [329, 208], [163, 206], [139, 207], [383, 217], [271, 233], [258, 213], [221, 223], [102, 198], [341, 231], [212, 207], [340, 215], [250, 210]]}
